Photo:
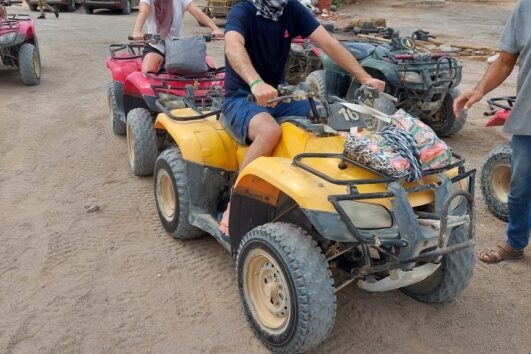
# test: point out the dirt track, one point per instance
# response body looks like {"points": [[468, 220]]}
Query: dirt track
{"points": [[114, 282]]}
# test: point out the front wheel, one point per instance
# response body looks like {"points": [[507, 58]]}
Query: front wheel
{"points": [[141, 142], [317, 82], [286, 287], [495, 179], [126, 9], [452, 276], [29, 61], [444, 122]]}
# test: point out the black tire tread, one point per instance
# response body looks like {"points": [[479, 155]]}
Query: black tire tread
{"points": [[500, 153], [313, 280], [174, 159], [26, 64], [458, 270], [118, 126], [318, 77], [145, 141]]}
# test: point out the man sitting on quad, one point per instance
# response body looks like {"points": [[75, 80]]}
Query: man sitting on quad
{"points": [[165, 18], [258, 37]]}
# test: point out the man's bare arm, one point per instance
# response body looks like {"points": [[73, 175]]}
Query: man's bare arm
{"points": [[343, 58], [238, 57], [241, 63], [494, 77]]}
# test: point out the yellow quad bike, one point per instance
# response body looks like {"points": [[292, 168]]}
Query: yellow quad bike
{"points": [[309, 210]]}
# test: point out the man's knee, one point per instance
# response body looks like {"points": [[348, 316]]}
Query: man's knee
{"points": [[264, 127]]}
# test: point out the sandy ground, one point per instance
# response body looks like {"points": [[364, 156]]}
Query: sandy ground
{"points": [[114, 282]]}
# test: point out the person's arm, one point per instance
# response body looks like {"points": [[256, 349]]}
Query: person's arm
{"points": [[343, 58], [204, 19], [494, 77], [241, 63], [143, 12]]}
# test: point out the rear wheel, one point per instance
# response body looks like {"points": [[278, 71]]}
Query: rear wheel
{"points": [[141, 142], [286, 287], [451, 278], [495, 179], [89, 10], [126, 9], [172, 197], [29, 61], [444, 122], [118, 126]]}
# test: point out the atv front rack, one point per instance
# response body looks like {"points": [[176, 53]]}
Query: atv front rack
{"points": [[209, 100], [133, 49], [406, 220], [434, 77]]}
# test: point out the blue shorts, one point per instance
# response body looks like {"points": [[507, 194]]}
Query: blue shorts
{"points": [[238, 111]]}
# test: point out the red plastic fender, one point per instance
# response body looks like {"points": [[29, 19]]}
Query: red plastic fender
{"points": [[499, 118], [121, 68]]}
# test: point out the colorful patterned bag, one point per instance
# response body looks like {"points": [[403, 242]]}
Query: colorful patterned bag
{"points": [[434, 153], [375, 151]]}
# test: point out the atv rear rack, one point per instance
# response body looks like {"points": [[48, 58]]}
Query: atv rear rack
{"points": [[406, 220], [209, 76]]}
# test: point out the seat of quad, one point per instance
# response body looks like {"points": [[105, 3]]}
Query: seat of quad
{"points": [[301, 122], [360, 50]]}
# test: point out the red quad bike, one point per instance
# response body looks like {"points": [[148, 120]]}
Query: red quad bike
{"points": [[19, 49], [496, 171], [132, 99]]}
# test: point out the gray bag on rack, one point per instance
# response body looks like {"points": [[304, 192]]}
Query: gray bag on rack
{"points": [[186, 56]]}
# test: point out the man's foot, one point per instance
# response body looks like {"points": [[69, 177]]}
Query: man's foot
{"points": [[502, 252], [224, 222], [56, 12], [41, 17]]}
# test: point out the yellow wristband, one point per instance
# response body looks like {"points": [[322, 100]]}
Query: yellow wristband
{"points": [[255, 82]]}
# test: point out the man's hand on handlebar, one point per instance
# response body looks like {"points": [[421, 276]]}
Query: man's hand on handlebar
{"points": [[263, 93], [377, 84]]}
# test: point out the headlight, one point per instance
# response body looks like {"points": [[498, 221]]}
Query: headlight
{"points": [[367, 216], [172, 101], [7, 38], [411, 77]]}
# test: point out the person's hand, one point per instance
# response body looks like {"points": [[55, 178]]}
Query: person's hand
{"points": [[377, 84], [138, 35], [263, 92], [466, 100], [218, 34]]}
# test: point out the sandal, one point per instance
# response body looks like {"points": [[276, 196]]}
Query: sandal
{"points": [[502, 252]]}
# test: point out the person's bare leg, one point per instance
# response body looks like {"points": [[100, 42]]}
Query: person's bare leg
{"points": [[151, 62], [264, 132]]}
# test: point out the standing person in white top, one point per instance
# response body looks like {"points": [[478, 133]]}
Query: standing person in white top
{"points": [[165, 18]]}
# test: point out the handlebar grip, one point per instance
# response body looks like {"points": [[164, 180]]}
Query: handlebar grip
{"points": [[130, 38]]}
